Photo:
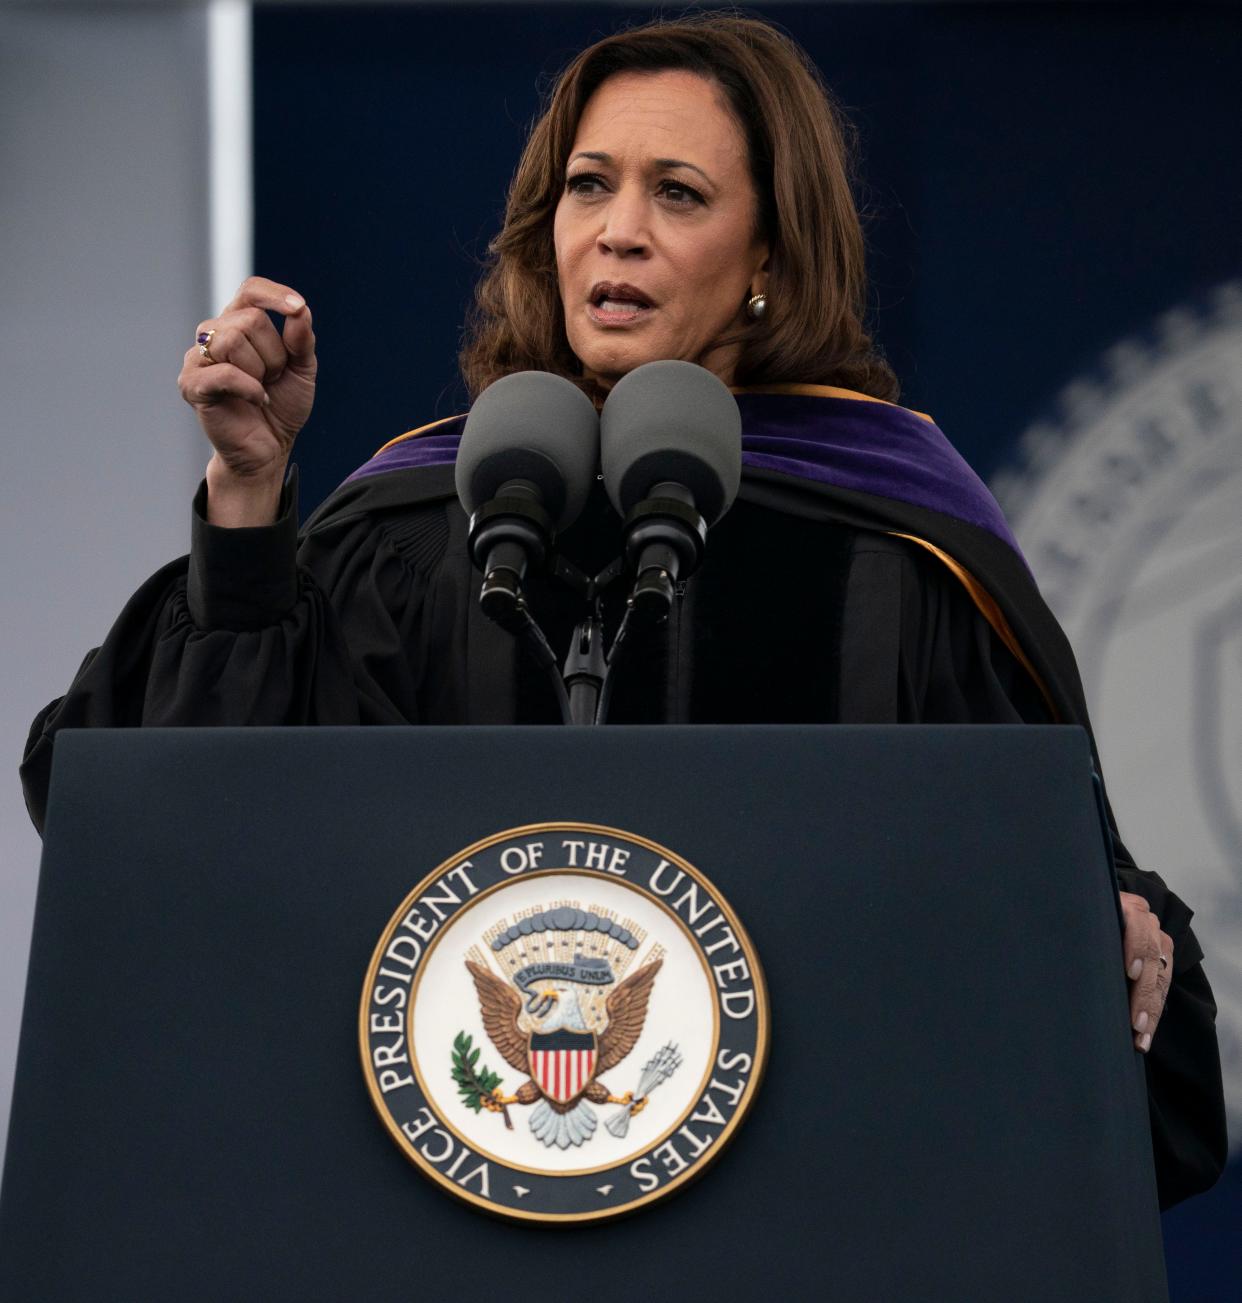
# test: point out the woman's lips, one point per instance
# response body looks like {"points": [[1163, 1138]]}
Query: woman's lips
{"points": [[617, 303], [617, 312]]}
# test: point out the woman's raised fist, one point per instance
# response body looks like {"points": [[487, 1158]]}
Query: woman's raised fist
{"points": [[252, 389]]}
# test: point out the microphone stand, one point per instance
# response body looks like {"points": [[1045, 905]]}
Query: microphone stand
{"points": [[583, 686], [590, 672], [586, 668], [616, 655], [664, 539]]}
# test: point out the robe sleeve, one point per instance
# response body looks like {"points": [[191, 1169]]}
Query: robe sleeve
{"points": [[953, 668], [246, 630]]}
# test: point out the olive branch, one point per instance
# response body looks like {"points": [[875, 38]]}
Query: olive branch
{"points": [[473, 1081]]}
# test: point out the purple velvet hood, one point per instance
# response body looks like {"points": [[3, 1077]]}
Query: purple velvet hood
{"points": [[811, 432]]}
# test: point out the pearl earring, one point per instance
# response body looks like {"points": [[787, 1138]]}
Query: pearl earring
{"points": [[756, 306]]}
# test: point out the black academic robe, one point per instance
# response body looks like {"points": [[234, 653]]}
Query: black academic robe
{"points": [[810, 606]]}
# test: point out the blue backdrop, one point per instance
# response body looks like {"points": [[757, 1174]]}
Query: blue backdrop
{"points": [[1038, 182]]}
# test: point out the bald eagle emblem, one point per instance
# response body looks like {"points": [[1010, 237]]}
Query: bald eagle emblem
{"points": [[563, 1013]]}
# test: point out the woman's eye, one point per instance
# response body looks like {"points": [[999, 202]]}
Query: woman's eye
{"points": [[584, 183], [680, 193]]}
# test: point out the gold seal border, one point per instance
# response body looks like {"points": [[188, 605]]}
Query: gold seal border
{"points": [[740, 1111]]}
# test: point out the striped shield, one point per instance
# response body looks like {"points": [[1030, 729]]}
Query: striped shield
{"points": [[562, 1063]]}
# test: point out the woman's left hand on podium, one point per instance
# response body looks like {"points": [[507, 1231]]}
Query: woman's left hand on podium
{"points": [[1149, 967]]}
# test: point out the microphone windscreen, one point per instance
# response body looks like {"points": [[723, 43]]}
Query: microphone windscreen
{"points": [[534, 426], [671, 421]]}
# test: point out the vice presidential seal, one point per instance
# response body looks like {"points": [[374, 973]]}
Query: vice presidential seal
{"points": [[562, 1023]]}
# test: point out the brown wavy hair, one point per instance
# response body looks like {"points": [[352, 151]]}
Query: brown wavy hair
{"points": [[800, 152]]}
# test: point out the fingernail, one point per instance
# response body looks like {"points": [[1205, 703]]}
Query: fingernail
{"points": [[1145, 1043], [294, 300], [1136, 970], [267, 399], [1140, 1023]]}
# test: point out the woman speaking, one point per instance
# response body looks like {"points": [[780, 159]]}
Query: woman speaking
{"points": [[685, 195]]}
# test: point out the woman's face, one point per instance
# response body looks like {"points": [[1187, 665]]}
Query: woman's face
{"points": [[656, 250]]}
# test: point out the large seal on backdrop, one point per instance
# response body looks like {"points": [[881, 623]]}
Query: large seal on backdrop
{"points": [[1129, 509]]}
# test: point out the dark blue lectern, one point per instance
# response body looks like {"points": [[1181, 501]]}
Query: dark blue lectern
{"points": [[952, 1107]]}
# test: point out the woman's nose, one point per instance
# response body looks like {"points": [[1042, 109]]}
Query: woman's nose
{"points": [[625, 230]]}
